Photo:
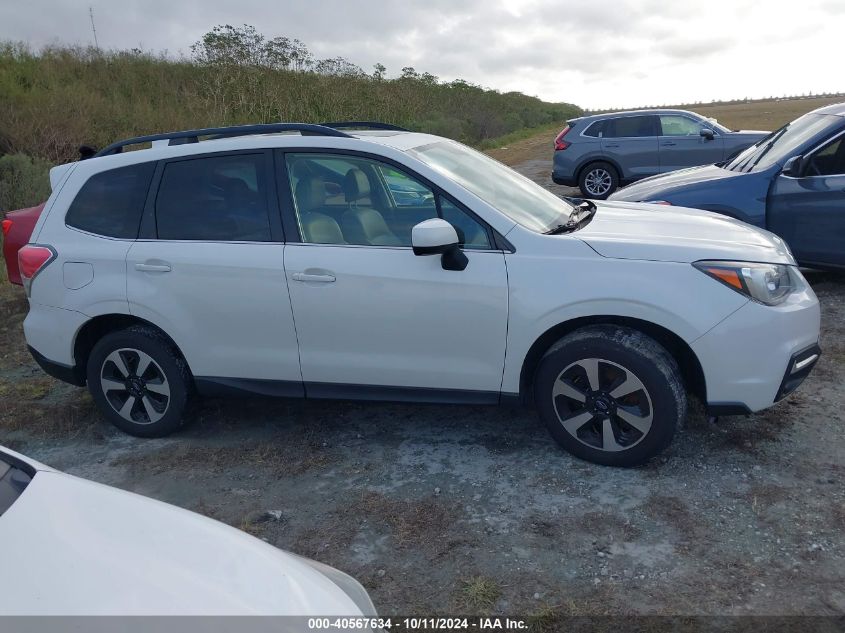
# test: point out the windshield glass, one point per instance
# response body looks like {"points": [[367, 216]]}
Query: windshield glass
{"points": [[780, 144], [13, 480], [519, 198]]}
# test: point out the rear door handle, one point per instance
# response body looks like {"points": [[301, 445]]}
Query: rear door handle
{"points": [[612, 145], [153, 268], [326, 279], [668, 144]]}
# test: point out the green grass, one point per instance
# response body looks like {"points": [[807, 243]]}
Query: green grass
{"points": [[53, 100]]}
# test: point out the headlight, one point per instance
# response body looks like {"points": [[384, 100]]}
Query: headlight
{"points": [[770, 284]]}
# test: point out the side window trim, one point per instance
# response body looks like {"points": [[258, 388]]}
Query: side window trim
{"points": [[288, 208], [149, 229]]}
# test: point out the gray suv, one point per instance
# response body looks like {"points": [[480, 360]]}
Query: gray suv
{"points": [[601, 152]]}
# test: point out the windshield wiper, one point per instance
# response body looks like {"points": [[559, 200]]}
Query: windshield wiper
{"points": [[583, 211]]}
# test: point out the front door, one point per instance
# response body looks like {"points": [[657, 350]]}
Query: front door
{"points": [[373, 320], [809, 211], [682, 146]]}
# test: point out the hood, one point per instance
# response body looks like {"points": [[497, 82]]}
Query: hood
{"points": [[654, 187], [73, 547], [757, 133], [625, 230]]}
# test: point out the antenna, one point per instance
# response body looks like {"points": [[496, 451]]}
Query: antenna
{"points": [[93, 28]]}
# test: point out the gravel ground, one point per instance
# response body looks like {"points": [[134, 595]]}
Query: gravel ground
{"points": [[442, 509]]}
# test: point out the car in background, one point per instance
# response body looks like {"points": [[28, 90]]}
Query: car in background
{"points": [[70, 546], [17, 228], [599, 153], [791, 183]]}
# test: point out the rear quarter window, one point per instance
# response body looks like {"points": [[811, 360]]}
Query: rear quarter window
{"points": [[594, 129], [111, 202]]}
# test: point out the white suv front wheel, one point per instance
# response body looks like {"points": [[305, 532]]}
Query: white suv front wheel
{"points": [[139, 381], [610, 395]]}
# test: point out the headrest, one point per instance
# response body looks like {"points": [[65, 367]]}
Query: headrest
{"points": [[356, 185], [310, 194]]}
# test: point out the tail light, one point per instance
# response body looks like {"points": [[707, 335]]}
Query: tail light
{"points": [[32, 259], [7, 226], [559, 142]]}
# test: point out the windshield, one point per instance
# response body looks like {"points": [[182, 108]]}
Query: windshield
{"points": [[780, 144], [522, 200], [13, 480]]}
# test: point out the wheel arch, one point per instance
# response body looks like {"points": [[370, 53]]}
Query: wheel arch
{"points": [[97, 327], [691, 370]]}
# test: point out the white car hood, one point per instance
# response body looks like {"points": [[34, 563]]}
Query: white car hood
{"points": [[635, 230], [69, 546]]}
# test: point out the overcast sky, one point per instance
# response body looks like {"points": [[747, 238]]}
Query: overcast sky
{"points": [[596, 53]]}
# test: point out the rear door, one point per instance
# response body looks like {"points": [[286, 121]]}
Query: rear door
{"points": [[809, 212], [631, 143], [209, 269], [681, 143]]}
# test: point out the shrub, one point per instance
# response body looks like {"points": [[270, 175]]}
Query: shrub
{"points": [[24, 181]]}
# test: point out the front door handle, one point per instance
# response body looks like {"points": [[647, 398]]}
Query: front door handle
{"points": [[668, 144], [326, 279], [153, 268], [612, 145]]}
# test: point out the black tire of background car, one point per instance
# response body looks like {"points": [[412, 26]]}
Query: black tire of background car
{"points": [[610, 169]]}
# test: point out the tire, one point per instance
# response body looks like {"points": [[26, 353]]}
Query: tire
{"points": [[587, 419], [598, 180], [159, 394]]}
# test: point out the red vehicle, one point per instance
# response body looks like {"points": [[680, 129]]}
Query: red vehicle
{"points": [[17, 228]]}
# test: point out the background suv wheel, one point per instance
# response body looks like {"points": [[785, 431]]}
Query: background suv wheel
{"points": [[610, 395], [139, 381], [598, 180]]}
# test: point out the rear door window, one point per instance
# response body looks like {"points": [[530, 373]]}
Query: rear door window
{"points": [[631, 127], [215, 198], [111, 202]]}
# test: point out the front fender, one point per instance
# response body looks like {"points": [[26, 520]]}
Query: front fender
{"points": [[673, 296]]}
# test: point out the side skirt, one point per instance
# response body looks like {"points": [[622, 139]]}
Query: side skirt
{"points": [[234, 387]]}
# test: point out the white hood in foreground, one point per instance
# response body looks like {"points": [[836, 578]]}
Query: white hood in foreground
{"points": [[69, 546], [632, 230]]}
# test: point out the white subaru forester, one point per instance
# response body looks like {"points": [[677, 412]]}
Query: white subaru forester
{"points": [[304, 261]]}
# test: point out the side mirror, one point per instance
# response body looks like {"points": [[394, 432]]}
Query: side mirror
{"points": [[707, 133], [792, 167], [438, 237]]}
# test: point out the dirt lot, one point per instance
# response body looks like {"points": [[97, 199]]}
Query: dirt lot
{"points": [[475, 510]]}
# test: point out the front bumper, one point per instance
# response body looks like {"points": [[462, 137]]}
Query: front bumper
{"points": [[748, 359]]}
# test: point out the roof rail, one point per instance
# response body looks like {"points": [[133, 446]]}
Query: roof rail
{"points": [[364, 125], [192, 136]]}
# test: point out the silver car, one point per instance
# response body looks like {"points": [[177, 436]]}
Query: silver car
{"points": [[602, 152]]}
